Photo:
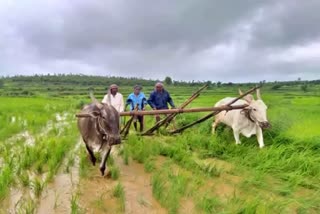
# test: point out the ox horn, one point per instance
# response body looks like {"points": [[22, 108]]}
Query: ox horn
{"points": [[247, 98], [95, 101], [258, 94], [93, 114], [240, 92]]}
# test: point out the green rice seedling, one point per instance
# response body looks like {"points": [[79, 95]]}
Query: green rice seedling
{"points": [[211, 170], [168, 188], [149, 165], [99, 203], [115, 172], [110, 161], [124, 152], [157, 185], [75, 208], [26, 206], [118, 192], [39, 167], [84, 164], [37, 185], [24, 179], [6, 178], [208, 204], [71, 159], [126, 158]]}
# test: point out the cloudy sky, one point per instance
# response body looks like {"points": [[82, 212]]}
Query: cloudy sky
{"points": [[217, 40]]}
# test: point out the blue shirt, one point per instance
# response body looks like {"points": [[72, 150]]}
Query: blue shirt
{"points": [[160, 100], [139, 99]]}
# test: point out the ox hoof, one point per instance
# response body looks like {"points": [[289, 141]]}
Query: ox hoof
{"points": [[102, 171], [261, 146]]}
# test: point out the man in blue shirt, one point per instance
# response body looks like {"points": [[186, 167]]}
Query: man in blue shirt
{"points": [[159, 99], [137, 98]]}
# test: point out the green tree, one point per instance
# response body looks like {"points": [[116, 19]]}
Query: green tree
{"points": [[304, 87], [168, 81], [219, 84]]}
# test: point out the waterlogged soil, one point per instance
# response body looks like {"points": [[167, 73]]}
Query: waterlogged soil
{"points": [[96, 193], [58, 194], [138, 189]]}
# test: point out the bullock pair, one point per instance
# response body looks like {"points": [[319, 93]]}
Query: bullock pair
{"points": [[100, 129]]}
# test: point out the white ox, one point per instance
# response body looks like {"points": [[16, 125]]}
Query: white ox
{"points": [[249, 121]]}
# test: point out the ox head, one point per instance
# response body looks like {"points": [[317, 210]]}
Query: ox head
{"points": [[257, 110]]}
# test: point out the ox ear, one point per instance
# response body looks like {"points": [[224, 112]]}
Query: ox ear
{"points": [[258, 94]]}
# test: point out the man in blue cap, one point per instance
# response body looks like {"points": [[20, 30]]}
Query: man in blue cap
{"points": [[137, 98]]}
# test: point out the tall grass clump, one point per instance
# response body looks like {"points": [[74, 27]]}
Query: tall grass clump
{"points": [[75, 208], [26, 206], [118, 192], [37, 186], [6, 178], [84, 164], [208, 204], [141, 149], [168, 188]]}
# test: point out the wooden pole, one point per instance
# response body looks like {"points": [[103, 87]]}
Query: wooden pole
{"points": [[178, 111], [213, 113], [128, 125], [170, 117]]}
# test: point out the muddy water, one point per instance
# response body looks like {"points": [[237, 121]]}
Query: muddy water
{"points": [[57, 196], [29, 139], [96, 194], [138, 189], [9, 205]]}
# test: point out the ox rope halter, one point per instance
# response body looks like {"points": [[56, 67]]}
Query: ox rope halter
{"points": [[247, 114], [101, 131]]}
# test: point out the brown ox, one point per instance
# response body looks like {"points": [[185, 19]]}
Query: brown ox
{"points": [[99, 127]]}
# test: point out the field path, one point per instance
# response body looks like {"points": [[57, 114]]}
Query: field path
{"points": [[138, 189]]}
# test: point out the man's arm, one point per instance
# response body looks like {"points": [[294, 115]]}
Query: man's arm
{"points": [[105, 99], [129, 102], [151, 100], [170, 101], [121, 108]]}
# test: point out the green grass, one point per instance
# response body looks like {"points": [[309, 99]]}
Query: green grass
{"points": [[75, 208], [289, 163], [118, 192], [169, 187], [37, 186], [209, 204]]}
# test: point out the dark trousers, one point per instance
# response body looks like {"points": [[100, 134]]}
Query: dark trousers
{"points": [[140, 119]]}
